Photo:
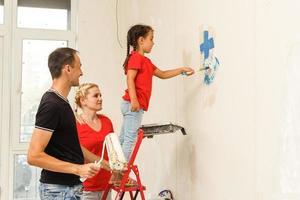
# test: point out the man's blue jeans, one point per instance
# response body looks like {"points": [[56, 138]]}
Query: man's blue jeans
{"points": [[131, 122], [60, 192]]}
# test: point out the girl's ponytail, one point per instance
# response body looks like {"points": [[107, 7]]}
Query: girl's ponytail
{"points": [[127, 56]]}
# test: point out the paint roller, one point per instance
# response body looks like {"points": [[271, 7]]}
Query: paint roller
{"points": [[116, 156]]}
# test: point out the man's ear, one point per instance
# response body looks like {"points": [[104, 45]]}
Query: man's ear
{"points": [[67, 67]]}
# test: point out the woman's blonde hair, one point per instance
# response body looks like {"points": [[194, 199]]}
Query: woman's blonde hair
{"points": [[82, 92]]}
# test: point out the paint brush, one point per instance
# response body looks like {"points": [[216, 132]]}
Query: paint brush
{"points": [[204, 68], [201, 69]]}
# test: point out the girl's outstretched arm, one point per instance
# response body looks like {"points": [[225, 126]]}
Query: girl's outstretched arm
{"points": [[131, 74], [173, 72]]}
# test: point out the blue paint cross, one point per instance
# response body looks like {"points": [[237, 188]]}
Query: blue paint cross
{"points": [[206, 45]]}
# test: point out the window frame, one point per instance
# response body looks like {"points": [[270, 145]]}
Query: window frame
{"points": [[5, 103], [5, 14], [19, 35], [10, 85], [17, 71]]}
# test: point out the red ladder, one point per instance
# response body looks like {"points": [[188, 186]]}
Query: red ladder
{"points": [[122, 188]]}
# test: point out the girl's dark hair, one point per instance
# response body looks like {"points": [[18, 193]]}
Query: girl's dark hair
{"points": [[133, 34]]}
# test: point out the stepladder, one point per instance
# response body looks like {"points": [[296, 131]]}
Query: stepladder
{"points": [[122, 188]]}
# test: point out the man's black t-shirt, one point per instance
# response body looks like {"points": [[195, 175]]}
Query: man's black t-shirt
{"points": [[56, 116]]}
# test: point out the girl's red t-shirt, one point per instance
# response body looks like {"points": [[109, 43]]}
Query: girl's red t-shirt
{"points": [[143, 80]]}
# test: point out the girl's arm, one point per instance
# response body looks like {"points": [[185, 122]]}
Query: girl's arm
{"points": [[173, 72], [131, 74]]}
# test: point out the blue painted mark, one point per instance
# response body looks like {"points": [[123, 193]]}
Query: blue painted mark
{"points": [[212, 63], [206, 45], [207, 80]]}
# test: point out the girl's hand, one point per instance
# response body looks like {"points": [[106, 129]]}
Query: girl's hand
{"points": [[135, 106], [187, 71]]}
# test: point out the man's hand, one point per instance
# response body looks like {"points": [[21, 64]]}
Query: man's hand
{"points": [[88, 170]]}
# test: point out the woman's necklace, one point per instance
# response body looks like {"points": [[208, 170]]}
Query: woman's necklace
{"points": [[94, 124]]}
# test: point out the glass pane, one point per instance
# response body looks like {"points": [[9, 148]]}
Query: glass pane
{"points": [[52, 14], [1, 96], [1, 11], [26, 179], [36, 79]]}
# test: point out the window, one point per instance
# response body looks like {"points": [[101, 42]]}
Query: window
{"points": [[36, 79], [52, 14], [1, 11], [30, 31], [25, 179], [1, 67]]}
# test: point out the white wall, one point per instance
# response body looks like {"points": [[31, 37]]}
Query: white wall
{"points": [[277, 53], [100, 53], [235, 126]]}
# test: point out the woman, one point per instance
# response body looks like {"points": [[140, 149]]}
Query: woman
{"points": [[92, 129]]}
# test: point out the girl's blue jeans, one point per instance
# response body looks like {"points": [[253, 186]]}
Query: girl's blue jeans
{"points": [[131, 122]]}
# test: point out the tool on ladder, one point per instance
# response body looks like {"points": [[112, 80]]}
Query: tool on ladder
{"points": [[157, 129], [145, 131]]}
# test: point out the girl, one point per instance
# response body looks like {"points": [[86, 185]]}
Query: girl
{"points": [[92, 129], [139, 70]]}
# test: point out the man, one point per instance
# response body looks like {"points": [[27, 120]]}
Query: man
{"points": [[54, 144]]}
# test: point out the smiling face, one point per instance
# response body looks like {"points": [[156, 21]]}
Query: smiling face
{"points": [[93, 100]]}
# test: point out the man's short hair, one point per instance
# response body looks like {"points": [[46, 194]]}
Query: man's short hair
{"points": [[58, 58]]}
